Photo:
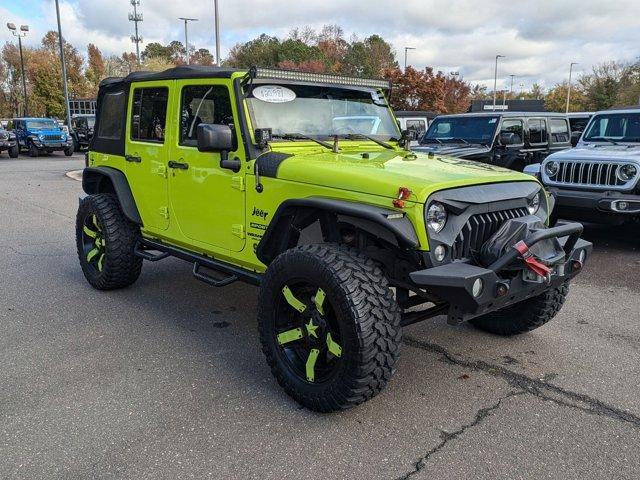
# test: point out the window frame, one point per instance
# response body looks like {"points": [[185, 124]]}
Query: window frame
{"points": [[121, 134], [183, 87], [566, 132], [130, 114], [510, 119], [546, 139]]}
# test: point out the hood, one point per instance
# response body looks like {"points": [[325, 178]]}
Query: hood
{"points": [[454, 150], [599, 151], [384, 172]]}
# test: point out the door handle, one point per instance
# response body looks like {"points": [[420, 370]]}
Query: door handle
{"points": [[132, 158], [178, 165]]}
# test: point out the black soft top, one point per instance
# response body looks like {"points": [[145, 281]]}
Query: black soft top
{"points": [[176, 73]]}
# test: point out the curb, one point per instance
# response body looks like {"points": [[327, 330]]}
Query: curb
{"points": [[75, 175]]}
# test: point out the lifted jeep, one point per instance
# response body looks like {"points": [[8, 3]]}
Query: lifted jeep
{"points": [[303, 184]]}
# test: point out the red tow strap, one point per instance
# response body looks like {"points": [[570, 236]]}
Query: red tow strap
{"points": [[532, 264]]}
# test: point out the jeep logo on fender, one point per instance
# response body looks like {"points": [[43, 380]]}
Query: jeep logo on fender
{"points": [[258, 212]]}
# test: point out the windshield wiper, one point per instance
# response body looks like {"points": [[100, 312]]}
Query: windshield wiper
{"points": [[460, 140], [299, 136], [605, 139], [426, 140], [354, 136]]}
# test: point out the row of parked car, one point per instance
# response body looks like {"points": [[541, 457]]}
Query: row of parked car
{"points": [[38, 136], [597, 181]]}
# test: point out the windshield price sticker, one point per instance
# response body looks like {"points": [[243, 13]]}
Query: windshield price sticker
{"points": [[274, 94]]}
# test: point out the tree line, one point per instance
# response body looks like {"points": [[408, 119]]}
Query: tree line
{"points": [[319, 51]]}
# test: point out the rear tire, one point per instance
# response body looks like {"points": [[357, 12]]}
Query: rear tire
{"points": [[106, 241], [14, 151], [524, 316], [359, 311]]}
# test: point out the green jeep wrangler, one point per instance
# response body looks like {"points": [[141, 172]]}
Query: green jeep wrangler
{"points": [[304, 185]]}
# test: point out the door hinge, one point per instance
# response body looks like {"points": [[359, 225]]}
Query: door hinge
{"points": [[164, 212], [237, 183], [238, 230], [162, 171]]}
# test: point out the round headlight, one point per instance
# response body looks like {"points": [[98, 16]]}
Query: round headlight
{"points": [[436, 216], [533, 204], [627, 172], [551, 169]]}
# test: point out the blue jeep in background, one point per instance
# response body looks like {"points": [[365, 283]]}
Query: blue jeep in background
{"points": [[41, 135]]}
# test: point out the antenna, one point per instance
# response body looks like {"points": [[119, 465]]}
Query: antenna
{"points": [[136, 17]]}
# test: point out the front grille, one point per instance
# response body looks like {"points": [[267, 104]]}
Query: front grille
{"points": [[594, 174], [479, 229], [52, 138]]}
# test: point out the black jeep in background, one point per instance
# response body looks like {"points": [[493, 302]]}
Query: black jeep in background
{"points": [[507, 139], [82, 131]]}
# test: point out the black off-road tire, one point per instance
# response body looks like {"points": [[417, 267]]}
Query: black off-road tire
{"points": [[524, 316], [121, 266], [14, 151], [33, 150], [369, 319], [68, 151]]}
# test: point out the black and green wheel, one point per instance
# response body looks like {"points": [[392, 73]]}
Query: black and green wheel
{"points": [[106, 241], [329, 326]]}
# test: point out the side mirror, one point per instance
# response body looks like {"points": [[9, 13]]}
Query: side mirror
{"points": [[509, 138], [575, 137], [406, 137], [218, 138]]}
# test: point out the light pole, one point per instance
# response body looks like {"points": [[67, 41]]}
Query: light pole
{"points": [[136, 17], [64, 68], [21, 33], [511, 88], [569, 87], [217, 20], [406, 49], [186, 36], [495, 81]]}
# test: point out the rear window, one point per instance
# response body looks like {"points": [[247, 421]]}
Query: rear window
{"points": [[559, 130], [537, 130], [111, 115]]}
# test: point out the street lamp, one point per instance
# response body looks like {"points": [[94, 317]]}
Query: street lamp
{"points": [[64, 67], [511, 88], [186, 37], [21, 33], [495, 81], [406, 49], [215, 9], [569, 87]]}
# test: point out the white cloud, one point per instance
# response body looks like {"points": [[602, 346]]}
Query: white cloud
{"points": [[539, 39]]}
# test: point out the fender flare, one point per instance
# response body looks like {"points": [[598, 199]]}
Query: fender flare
{"points": [[277, 239], [97, 179]]}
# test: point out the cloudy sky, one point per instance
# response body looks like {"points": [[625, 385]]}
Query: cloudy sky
{"points": [[539, 38]]}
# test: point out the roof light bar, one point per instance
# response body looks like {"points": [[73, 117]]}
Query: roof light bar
{"points": [[292, 75]]}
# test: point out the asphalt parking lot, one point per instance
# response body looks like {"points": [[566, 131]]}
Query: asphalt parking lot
{"points": [[166, 379]]}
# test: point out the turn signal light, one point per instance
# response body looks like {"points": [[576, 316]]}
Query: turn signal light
{"points": [[403, 194]]}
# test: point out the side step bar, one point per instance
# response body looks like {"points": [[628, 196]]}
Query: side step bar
{"points": [[233, 273]]}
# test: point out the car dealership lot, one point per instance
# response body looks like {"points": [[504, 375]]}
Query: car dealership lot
{"points": [[166, 379]]}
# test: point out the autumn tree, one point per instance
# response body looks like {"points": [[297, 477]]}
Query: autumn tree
{"points": [[416, 89], [95, 68], [556, 98], [457, 94]]}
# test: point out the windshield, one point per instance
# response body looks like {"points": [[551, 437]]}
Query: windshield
{"points": [[461, 130], [321, 112], [618, 127], [42, 124]]}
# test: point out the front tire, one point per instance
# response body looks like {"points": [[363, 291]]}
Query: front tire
{"points": [[14, 151], [33, 151], [68, 151], [329, 326], [106, 241], [524, 316]]}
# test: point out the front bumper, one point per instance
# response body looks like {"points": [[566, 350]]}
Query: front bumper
{"points": [[610, 202], [454, 283], [7, 144]]}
